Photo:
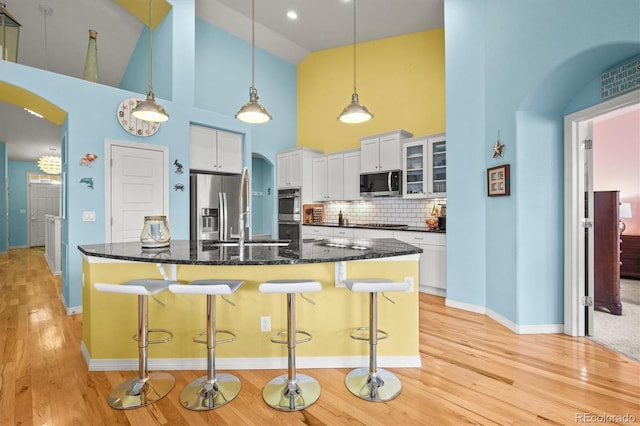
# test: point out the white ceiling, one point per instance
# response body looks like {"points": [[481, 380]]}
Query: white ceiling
{"points": [[58, 41]]}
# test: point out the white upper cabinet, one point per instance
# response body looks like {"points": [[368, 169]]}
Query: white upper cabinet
{"points": [[294, 170], [424, 170], [437, 162], [214, 150], [290, 169], [380, 153], [328, 178], [351, 187]]}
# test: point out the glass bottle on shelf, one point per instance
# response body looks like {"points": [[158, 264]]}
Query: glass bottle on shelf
{"points": [[91, 63]]}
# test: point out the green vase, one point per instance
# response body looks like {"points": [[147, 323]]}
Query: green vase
{"points": [[91, 64]]}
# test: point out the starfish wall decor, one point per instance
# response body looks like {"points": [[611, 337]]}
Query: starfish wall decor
{"points": [[497, 149]]}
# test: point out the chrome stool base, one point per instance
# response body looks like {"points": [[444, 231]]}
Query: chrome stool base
{"points": [[377, 387], [285, 395], [138, 392], [203, 394]]}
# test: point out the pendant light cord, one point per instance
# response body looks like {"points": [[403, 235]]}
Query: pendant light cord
{"points": [[354, 46], [253, 43], [150, 49]]}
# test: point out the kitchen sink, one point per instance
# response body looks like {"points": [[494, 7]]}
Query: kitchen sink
{"points": [[247, 243]]}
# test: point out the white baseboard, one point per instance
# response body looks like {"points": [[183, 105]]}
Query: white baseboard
{"points": [[131, 364], [526, 329], [432, 290], [73, 310], [465, 306]]}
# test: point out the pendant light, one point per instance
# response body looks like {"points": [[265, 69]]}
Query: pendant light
{"points": [[252, 112], [50, 164], [149, 109], [9, 33], [355, 112]]}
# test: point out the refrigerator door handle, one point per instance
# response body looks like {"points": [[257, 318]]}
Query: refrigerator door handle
{"points": [[222, 216]]}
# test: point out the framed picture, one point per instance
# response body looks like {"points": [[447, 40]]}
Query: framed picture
{"points": [[498, 181]]}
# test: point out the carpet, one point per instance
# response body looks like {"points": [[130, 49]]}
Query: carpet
{"points": [[621, 333]]}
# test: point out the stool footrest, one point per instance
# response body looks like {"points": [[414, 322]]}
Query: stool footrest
{"points": [[157, 330], [359, 334], [275, 339], [197, 339]]}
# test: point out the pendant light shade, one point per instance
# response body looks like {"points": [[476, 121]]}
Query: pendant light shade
{"points": [[9, 33], [149, 109], [355, 112], [50, 164], [252, 112]]}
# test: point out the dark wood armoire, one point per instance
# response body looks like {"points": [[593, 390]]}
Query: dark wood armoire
{"points": [[606, 244]]}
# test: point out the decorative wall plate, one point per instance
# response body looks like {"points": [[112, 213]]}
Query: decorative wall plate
{"points": [[131, 124]]}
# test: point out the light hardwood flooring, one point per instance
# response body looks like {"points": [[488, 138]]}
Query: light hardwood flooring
{"points": [[474, 371]]}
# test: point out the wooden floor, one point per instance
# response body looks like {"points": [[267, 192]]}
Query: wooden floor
{"points": [[473, 371]]}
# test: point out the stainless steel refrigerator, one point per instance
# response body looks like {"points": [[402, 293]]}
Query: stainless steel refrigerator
{"points": [[214, 206]]}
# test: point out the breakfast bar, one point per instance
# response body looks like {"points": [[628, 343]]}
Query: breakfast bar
{"points": [[109, 320]]}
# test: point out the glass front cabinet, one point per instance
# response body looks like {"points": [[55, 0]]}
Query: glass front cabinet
{"points": [[424, 160]]}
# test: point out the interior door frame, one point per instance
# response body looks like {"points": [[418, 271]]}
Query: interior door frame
{"points": [[108, 144], [576, 266]]}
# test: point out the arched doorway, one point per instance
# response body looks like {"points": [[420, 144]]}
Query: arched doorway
{"points": [[262, 198]]}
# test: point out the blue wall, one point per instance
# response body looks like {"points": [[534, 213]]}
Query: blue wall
{"points": [[517, 67], [3, 198], [87, 128], [18, 183]]}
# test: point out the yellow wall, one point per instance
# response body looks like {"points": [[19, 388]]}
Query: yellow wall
{"points": [[399, 79]]}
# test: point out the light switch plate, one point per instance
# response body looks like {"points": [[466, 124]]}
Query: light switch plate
{"points": [[88, 216]]}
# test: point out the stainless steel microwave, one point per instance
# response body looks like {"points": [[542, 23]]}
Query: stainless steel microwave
{"points": [[381, 184]]}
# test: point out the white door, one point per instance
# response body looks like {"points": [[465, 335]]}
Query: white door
{"points": [[43, 199], [138, 187], [585, 132]]}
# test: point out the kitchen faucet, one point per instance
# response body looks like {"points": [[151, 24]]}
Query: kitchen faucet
{"points": [[243, 216]]}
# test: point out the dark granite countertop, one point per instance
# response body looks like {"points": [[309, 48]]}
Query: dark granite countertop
{"points": [[185, 252], [356, 226]]}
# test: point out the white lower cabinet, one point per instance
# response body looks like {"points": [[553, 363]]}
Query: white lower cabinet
{"points": [[372, 233], [343, 232], [433, 260], [310, 231], [316, 231]]}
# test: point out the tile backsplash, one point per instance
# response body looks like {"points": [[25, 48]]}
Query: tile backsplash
{"points": [[391, 210]]}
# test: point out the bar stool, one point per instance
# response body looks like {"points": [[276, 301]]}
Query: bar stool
{"points": [[214, 389], [147, 388], [373, 383], [291, 391]]}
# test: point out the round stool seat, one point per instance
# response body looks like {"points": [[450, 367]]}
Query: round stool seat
{"points": [[375, 286], [207, 287], [215, 389], [290, 286], [373, 383], [144, 287]]}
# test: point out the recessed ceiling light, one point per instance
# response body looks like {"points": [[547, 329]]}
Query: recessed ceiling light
{"points": [[292, 15], [33, 113]]}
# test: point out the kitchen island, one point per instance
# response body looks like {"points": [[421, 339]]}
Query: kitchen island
{"points": [[109, 320]]}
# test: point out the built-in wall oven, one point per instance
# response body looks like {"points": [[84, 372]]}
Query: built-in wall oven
{"points": [[289, 214]]}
